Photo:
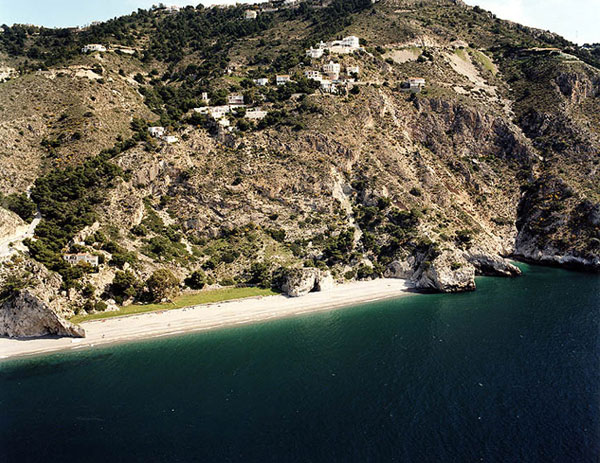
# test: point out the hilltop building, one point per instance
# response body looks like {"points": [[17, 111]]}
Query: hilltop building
{"points": [[156, 132], [345, 46], [87, 258], [262, 81], [416, 84], [92, 47], [332, 70], [235, 100], [282, 79], [353, 70], [170, 139], [313, 75], [250, 14], [255, 114], [314, 52]]}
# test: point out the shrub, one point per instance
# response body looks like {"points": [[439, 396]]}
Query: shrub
{"points": [[197, 280], [162, 284], [124, 286], [100, 306], [260, 274], [20, 204]]}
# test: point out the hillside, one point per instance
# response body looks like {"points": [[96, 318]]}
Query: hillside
{"points": [[491, 151]]}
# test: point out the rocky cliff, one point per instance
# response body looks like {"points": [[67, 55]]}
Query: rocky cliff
{"points": [[496, 156], [31, 304]]}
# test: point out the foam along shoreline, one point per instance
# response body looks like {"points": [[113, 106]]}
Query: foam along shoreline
{"points": [[204, 317]]}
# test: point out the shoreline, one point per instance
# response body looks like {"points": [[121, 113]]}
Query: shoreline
{"points": [[205, 317]]}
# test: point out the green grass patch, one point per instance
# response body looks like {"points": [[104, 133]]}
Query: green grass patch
{"points": [[187, 300], [484, 60], [461, 54]]}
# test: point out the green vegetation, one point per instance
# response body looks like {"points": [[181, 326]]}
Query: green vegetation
{"points": [[14, 282], [20, 204], [187, 300], [162, 284]]}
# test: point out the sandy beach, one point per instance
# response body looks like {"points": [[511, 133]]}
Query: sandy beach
{"points": [[209, 316]]}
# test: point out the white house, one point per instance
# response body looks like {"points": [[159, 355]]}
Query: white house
{"points": [[328, 87], [205, 97], [235, 99], [262, 81], [250, 14], [332, 68], [351, 42], [256, 113], [313, 75], [416, 84], [282, 79], [352, 70], [170, 139], [346, 45], [156, 132], [92, 47], [218, 112], [314, 52], [75, 259], [416, 81]]}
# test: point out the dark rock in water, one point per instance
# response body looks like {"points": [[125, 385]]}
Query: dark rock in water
{"points": [[26, 315]]}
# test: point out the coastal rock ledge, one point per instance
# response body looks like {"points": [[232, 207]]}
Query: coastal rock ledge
{"points": [[26, 315], [301, 281]]}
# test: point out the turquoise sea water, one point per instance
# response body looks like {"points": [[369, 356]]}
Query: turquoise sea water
{"points": [[510, 373]]}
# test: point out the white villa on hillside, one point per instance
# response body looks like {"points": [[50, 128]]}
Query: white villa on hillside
{"points": [[205, 98], [332, 67], [313, 75], [156, 132], [170, 139], [332, 70], [282, 79], [416, 84], [347, 45], [255, 114], [75, 259], [92, 47], [353, 70], [235, 100], [250, 14], [262, 81], [328, 86], [314, 52]]}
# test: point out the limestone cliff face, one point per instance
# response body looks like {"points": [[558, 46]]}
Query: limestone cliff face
{"points": [[558, 227], [28, 315], [448, 273], [300, 282], [32, 304]]}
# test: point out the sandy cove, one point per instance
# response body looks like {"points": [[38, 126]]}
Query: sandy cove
{"points": [[208, 316]]}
